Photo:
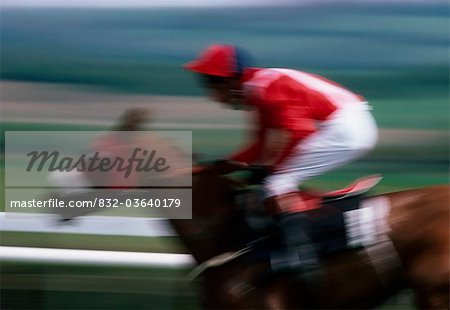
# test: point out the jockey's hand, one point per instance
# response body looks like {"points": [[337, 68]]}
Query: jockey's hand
{"points": [[259, 173], [225, 166]]}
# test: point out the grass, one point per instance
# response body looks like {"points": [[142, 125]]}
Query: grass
{"points": [[92, 242]]}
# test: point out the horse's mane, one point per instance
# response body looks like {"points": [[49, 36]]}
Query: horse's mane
{"points": [[211, 193]]}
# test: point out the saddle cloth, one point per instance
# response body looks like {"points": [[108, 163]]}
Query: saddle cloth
{"points": [[350, 223]]}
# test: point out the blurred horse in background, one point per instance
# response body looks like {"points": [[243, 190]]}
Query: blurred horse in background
{"points": [[418, 222]]}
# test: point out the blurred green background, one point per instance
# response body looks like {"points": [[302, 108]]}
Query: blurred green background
{"points": [[78, 69], [380, 50]]}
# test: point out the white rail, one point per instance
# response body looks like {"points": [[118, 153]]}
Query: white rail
{"points": [[93, 257]]}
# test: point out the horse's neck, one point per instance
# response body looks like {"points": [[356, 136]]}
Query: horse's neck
{"points": [[211, 207], [199, 238]]}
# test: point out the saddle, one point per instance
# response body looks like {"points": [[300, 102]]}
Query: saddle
{"points": [[334, 216], [357, 187]]}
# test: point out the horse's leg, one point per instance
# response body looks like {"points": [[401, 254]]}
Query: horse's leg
{"points": [[283, 293], [435, 298], [234, 287], [234, 295]]}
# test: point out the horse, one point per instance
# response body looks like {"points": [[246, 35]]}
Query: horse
{"points": [[418, 221]]}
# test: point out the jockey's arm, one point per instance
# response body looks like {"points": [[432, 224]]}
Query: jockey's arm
{"points": [[289, 141], [293, 124], [251, 153], [282, 126]]}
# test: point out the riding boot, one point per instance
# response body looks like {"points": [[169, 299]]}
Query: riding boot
{"points": [[298, 253]]}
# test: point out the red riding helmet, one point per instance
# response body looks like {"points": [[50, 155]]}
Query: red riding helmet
{"points": [[218, 60]]}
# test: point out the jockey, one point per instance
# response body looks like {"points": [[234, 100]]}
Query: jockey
{"points": [[306, 125]]}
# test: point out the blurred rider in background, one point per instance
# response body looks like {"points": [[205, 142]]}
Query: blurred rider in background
{"points": [[306, 126], [120, 142]]}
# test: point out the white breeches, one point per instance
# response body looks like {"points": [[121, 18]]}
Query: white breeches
{"points": [[349, 133]]}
